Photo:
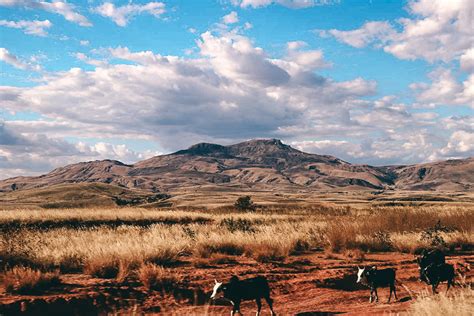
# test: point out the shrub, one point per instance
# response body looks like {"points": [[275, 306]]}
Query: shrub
{"points": [[268, 252], [25, 280], [102, 267], [340, 236], [244, 203], [222, 259], [356, 254], [239, 224], [205, 250], [155, 277], [71, 263], [434, 235]]}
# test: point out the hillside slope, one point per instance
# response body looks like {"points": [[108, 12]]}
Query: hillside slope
{"points": [[254, 163]]}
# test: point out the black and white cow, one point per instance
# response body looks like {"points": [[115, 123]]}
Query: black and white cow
{"points": [[374, 278], [241, 290], [434, 274], [428, 257]]}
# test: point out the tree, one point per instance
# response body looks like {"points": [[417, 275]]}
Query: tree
{"points": [[244, 203]]}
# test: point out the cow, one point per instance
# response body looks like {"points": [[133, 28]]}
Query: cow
{"points": [[240, 290], [434, 274], [374, 278], [434, 256]]}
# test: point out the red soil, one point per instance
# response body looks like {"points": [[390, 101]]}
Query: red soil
{"points": [[311, 284]]}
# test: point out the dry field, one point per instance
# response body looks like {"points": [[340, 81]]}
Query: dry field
{"points": [[137, 260]]}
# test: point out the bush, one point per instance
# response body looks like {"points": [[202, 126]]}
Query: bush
{"points": [[433, 235], [244, 203], [25, 280], [204, 250], [102, 267], [239, 224], [154, 277]]}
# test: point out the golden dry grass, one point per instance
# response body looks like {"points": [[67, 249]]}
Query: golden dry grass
{"points": [[25, 280], [155, 277], [110, 243], [459, 302]]}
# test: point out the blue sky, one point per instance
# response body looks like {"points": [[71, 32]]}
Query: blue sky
{"points": [[379, 82]]}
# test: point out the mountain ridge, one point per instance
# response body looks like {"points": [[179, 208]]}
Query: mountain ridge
{"points": [[260, 162]]}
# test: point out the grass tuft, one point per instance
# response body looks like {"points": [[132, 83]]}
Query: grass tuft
{"points": [[25, 280]]}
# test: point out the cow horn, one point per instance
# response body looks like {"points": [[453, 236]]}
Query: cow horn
{"points": [[216, 281]]}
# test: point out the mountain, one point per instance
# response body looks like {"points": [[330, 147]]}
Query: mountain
{"points": [[266, 163]]}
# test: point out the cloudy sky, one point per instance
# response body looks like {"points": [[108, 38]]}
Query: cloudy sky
{"points": [[377, 82]]}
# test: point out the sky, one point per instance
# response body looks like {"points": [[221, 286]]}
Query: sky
{"points": [[369, 81]]}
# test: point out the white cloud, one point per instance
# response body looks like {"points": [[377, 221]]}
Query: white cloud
{"points": [[94, 62], [461, 144], [437, 30], [294, 4], [467, 60], [13, 60], [35, 27], [34, 153], [445, 89], [228, 91], [242, 92], [371, 32], [84, 43], [230, 18], [121, 15], [65, 9]]}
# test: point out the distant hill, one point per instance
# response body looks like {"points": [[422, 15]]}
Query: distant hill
{"points": [[255, 163]]}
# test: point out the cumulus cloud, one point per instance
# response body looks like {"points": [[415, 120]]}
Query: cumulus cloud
{"points": [[26, 153], [444, 89], [13, 60], [121, 15], [378, 32], [230, 18], [91, 61], [230, 90], [35, 27], [437, 30], [467, 60], [293, 4], [65, 9], [461, 144]]}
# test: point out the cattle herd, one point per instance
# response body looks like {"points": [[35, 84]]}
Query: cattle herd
{"points": [[432, 265]]}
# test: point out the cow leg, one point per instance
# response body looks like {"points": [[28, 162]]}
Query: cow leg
{"points": [[395, 292], [236, 308], [259, 306], [433, 287], [376, 295], [450, 282], [270, 304], [390, 296]]}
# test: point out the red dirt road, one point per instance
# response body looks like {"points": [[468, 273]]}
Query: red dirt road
{"points": [[311, 284]]}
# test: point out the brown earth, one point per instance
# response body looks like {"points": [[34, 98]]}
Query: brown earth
{"points": [[311, 284]]}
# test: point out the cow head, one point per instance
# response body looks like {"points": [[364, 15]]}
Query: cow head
{"points": [[425, 274], [360, 274], [218, 287]]}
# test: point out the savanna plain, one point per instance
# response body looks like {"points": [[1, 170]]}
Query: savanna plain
{"points": [[132, 260]]}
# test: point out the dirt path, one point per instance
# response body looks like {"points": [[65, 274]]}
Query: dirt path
{"points": [[311, 284]]}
